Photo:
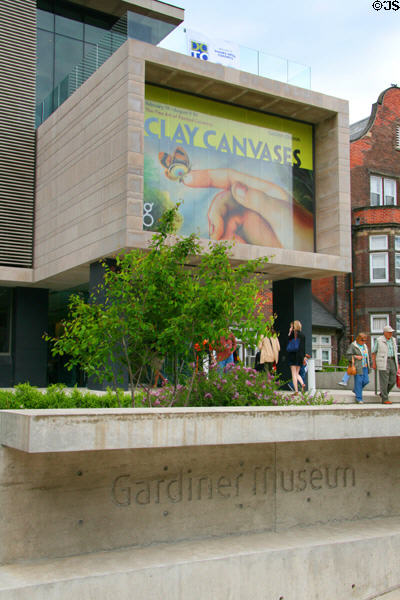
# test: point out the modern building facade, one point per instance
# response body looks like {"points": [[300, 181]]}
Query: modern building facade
{"points": [[255, 160], [369, 298]]}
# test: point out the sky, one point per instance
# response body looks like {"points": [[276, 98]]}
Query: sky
{"points": [[352, 49]]}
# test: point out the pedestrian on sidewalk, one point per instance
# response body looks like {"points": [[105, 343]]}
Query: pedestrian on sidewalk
{"points": [[384, 358], [357, 353]]}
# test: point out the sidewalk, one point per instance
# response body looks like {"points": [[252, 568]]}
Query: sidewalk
{"points": [[346, 396]]}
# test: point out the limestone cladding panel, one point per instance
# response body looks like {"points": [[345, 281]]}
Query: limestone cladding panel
{"points": [[332, 184], [90, 153]]}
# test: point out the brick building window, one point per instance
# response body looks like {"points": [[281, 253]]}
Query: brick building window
{"points": [[382, 191], [378, 322], [321, 349], [378, 261]]}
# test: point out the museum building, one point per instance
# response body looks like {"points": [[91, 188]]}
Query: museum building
{"points": [[102, 130]]}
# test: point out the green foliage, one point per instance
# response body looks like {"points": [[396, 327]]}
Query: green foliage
{"points": [[236, 387], [59, 396], [156, 304]]}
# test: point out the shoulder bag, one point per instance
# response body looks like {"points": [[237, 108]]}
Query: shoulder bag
{"points": [[351, 369]]}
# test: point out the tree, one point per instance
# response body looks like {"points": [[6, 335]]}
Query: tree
{"points": [[158, 304]]}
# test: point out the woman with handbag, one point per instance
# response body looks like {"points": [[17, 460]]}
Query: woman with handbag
{"points": [[296, 350], [357, 353], [269, 350]]}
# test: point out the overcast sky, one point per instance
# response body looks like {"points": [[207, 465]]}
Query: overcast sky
{"points": [[352, 49]]}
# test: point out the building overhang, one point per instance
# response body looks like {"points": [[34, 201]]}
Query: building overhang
{"points": [[150, 8], [90, 165]]}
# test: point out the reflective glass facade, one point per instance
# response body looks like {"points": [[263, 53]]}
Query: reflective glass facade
{"points": [[66, 33]]}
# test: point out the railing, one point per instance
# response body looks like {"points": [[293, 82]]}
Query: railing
{"points": [[251, 61]]}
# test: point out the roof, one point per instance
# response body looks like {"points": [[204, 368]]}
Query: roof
{"points": [[321, 317], [360, 128]]}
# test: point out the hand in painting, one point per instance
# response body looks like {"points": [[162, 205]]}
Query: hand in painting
{"points": [[253, 211]]}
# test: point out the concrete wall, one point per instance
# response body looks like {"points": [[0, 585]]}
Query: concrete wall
{"points": [[296, 503]]}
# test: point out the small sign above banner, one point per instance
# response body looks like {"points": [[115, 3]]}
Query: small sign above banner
{"points": [[216, 51]]}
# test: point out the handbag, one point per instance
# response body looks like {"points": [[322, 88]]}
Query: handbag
{"points": [[351, 369], [293, 345], [398, 378]]}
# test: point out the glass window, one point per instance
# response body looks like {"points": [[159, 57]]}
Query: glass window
{"points": [[379, 267], [321, 349], [67, 25], [378, 322], [45, 20], [378, 242], [382, 191], [44, 62], [397, 242], [68, 54], [325, 355], [375, 190], [5, 320], [389, 189], [398, 323], [397, 267], [62, 41]]}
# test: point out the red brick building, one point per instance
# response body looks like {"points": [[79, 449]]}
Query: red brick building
{"points": [[369, 298]]}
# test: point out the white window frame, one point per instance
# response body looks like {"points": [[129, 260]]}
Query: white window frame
{"points": [[319, 346], [380, 186], [377, 329], [378, 242], [382, 256]]}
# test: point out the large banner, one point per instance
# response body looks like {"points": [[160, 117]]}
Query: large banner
{"points": [[238, 174]]}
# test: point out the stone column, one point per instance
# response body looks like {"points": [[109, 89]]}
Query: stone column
{"points": [[291, 300], [29, 323], [96, 278]]}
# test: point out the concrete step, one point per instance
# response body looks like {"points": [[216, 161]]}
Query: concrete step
{"points": [[354, 560], [346, 396]]}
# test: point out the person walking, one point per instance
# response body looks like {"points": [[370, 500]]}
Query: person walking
{"points": [[384, 358], [296, 350], [269, 350], [357, 353]]}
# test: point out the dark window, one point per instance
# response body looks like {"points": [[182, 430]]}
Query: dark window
{"points": [[5, 320]]}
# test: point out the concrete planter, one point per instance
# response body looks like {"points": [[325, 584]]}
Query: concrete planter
{"points": [[261, 503]]}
